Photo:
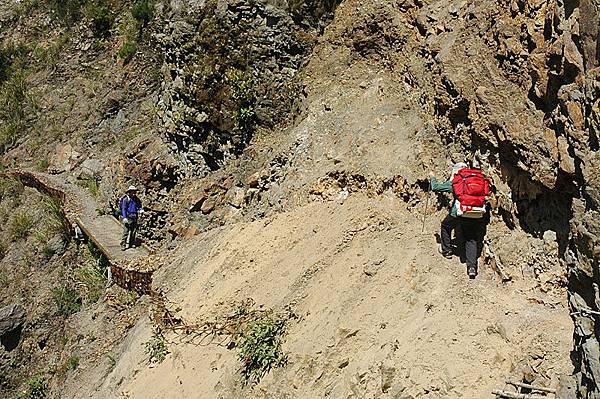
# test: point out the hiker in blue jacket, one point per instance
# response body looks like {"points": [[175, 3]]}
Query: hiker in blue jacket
{"points": [[130, 207]]}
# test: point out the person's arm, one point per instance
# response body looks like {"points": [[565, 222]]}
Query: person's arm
{"points": [[123, 208], [445, 187]]}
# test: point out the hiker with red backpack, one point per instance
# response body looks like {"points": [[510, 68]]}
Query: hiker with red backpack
{"points": [[469, 187]]}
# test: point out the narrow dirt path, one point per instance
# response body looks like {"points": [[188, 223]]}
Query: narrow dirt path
{"points": [[81, 209], [105, 231]]}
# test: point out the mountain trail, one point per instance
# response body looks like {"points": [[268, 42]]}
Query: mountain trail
{"points": [[380, 312]]}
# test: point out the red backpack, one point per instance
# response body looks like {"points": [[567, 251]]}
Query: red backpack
{"points": [[471, 188]]}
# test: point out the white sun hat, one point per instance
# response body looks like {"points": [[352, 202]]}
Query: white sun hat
{"points": [[458, 166]]}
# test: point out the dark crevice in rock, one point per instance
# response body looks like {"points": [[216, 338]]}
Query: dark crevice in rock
{"points": [[537, 102], [570, 7], [459, 115], [11, 340]]}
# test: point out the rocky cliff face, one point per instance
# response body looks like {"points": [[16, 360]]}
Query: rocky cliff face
{"points": [[519, 83], [236, 110], [230, 69], [513, 83]]}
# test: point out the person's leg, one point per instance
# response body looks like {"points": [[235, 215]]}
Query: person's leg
{"points": [[448, 225], [132, 237], [473, 230], [125, 236], [471, 254]]}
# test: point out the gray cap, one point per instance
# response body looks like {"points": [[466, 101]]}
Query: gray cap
{"points": [[132, 188]]}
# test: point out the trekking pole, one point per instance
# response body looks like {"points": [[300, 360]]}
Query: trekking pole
{"points": [[426, 206]]}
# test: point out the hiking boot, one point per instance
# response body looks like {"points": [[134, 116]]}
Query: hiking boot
{"points": [[472, 272], [445, 254]]}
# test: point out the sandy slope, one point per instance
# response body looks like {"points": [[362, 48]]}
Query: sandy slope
{"points": [[417, 327]]}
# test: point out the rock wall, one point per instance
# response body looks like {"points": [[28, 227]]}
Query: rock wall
{"points": [[521, 92], [230, 68], [579, 118]]}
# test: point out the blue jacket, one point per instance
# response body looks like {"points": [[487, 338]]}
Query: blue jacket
{"points": [[130, 206]]}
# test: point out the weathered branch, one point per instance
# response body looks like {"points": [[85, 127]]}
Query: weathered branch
{"points": [[513, 395], [528, 386]]}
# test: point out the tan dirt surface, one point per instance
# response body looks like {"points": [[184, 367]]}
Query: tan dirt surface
{"points": [[381, 313]]}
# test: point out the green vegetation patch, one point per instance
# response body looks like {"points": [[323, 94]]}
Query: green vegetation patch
{"points": [[35, 388], [259, 342], [20, 225], [10, 189], [15, 100], [127, 51], [98, 12], [156, 347], [67, 300], [142, 12], [68, 12], [91, 283], [57, 220], [73, 362]]}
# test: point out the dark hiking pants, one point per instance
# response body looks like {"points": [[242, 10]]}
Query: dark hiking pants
{"points": [[129, 232], [473, 231]]}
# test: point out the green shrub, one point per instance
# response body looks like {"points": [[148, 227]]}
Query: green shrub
{"points": [[97, 256], [5, 64], [9, 135], [99, 14], [127, 51], [36, 387], [244, 118], [10, 188], [242, 92], [112, 359], [126, 298], [91, 282], [67, 300], [42, 165], [12, 59], [14, 97], [50, 55], [90, 184], [73, 363], [68, 12], [259, 343], [142, 11], [57, 220], [242, 85], [4, 279], [14, 104], [47, 251], [20, 226], [156, 348]]}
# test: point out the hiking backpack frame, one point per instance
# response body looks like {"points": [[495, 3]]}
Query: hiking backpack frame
{"points": [[471, 188]]}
